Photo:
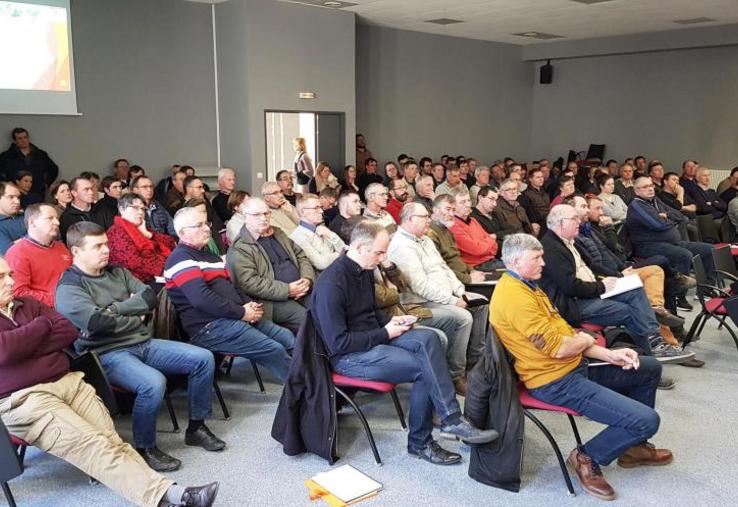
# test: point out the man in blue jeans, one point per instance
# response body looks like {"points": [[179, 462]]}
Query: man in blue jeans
{"points": [[369, 345], [550, 359], [108, 305], [213, 312]]}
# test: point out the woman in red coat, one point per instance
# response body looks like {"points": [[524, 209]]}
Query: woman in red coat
{"points": [[133, 246]]}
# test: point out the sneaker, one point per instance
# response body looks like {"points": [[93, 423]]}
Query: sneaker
{"points": [[666, 383], [467, 433], [435, 454], [683, 304], [665, 353]]}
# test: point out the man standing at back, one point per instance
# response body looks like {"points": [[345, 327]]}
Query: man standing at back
{"points": [[23, 155]]}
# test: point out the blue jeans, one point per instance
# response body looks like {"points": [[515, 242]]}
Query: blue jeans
{"points": [[264, 342], [680, 254], [141, 369], [457, 324], [622, 399], [630, 310], [416, 356]]}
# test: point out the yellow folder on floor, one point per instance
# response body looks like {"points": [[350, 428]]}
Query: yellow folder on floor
{"points": [[342, 486]]}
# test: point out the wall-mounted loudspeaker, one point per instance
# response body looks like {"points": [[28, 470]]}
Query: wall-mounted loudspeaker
{"points": [[547, 73]]}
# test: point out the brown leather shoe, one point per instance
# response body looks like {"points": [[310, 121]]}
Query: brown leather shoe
{"points": [[460, 386], [645, 454], [589, 475]]}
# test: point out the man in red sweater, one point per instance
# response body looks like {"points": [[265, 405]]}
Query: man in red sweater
{"points": [[53, 409], [398, 197], [38, 260], [477, 248]]}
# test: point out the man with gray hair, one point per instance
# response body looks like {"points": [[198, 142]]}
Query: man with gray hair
{"points": [[226, 185], [321, 245], [424, 193], [573, 287], [551, 359], [481, 177], [377, 197], [434, 285], [283, 214], [365, 344], [268, 266]]}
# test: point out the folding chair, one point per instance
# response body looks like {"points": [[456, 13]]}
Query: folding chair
{"points": [[725, 268], [11, 465], [709, 230]]}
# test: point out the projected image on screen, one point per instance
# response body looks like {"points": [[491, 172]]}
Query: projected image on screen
{"points": [[34, 47]]}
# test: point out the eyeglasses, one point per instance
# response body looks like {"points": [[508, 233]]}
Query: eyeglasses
{"points": [[576, 219], [646, 186], [265, 214], [512, 189], [199, 225]]}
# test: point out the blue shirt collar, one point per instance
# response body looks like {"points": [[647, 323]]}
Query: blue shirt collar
{"points": [[531, 285], [310, 227]]}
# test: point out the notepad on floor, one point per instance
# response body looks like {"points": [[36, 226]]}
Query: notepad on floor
{"points": [[347, 483], [624, 284]]}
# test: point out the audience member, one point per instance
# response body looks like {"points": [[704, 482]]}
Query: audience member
{"points": [[362, 152], [268, 266], [689, 178], [236, 204], [439, 173], [391, 172], [425, 166], [640, 164], [12, 225], [424, 193], [571, 285], [453, 181], [534, 200], [321, 245], [195, 190], [38, 260], [613, 204], [349, 205], [133, 246], [728, 188], [323, 178], [478, 248], [481, 180], [624, 184], [283, 214], [565, 188], [163, 186], [108, 305], [410, 175], [157, 218], [376, 201], [497, 175], [23, 155], [612, 168], [399, 196], [656, 172], [175, 196], [509, 212], [213, 313], [55, 410], [106, 209], [121, 171], [215, 244], [349, 183], [287, 185], [24, 183], [327, 198], [372, 346], [484, 211], [707, 199], [61, 196], [226, 185], [368, 177], [136, 171], [94, 178], [551, 360]]}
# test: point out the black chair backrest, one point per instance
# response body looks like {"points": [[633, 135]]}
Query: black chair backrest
{"points": [[731, 306], [724, 260], [708, 229], [10, 465], [699, 270], [727, 230]]}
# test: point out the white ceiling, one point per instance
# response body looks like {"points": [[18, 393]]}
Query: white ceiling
{"points": [[497, 20]]}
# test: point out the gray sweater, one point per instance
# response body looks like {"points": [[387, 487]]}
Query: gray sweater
{"points": [[107, 309]]}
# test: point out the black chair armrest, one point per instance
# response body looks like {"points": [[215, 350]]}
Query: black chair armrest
{"points": [[89, 364], [726, 275]]}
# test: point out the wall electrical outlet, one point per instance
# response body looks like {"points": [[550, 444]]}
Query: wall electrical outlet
{"points": [[259, 176]]}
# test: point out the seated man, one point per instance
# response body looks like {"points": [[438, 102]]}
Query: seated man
{"points": [[349, 205], [510, 214], [38, 260], [398, 197], [81, 207], [265, 264], [106, 209], [108, 306], [484, 211], [328, 197], [535, 200], [550, 359], [481, 180], [195, 190], [283, 214], [53, 409], [12, 225], [287, 184], [226, 185], [321, 245], [653, 228], [157, 218], [214, 315], [368, 345], [432, 284], [569, 282], [452, 182], [175, 196], [477, 247], [424, 193], [376, 201]]}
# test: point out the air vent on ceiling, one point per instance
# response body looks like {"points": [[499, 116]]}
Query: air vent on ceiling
{"points": [[444, 21], [333, 4], [539, 35], [693, 21], [590, 2]]}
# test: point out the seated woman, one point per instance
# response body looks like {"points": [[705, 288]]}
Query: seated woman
{"points": [[24, 182], [61, 196], [135, 247], [349, 180], [236, 204], [614, 206], [323, 178]]}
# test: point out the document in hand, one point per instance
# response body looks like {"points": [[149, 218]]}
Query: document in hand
{"points": [[347, 484], [624, 284]]}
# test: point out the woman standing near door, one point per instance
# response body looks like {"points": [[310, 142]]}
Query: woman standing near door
{"points": [[303, 164]]}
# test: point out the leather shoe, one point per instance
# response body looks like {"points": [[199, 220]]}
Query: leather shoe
{"points": [[159, 460], [645, 454], [434, 453], [203, 437], [201, 496], [460, 386], [663, 316], [693, 363], [590, 476], [468, 433]]}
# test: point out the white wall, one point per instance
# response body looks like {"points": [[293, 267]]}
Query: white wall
{"points": [[428, 95]]}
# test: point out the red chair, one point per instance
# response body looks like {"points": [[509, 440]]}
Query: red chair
{"points": [[341, 382], [530, 403]]}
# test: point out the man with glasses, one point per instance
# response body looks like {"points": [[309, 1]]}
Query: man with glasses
{"points": [[511, 216], [484, 211], [287, 184], [377, 197], [573, 287], [321, 245], [214, 314], [399, 196], [157, 218], [283, 214], [653, 228], [268, 266], [478, 248]]}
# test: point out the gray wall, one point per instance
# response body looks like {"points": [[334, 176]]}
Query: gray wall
{"points": [[144, 73], [428, 94], [670, 105], [267, 53]]}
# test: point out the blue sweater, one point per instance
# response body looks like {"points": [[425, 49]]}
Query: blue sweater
{"points": [[11, 229], [200, 288], [644, 224], [343, 306]]}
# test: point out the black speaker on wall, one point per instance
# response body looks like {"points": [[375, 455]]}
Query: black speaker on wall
{"points": [[547, 73]]}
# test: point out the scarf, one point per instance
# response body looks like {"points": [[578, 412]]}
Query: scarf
{"points": [[142, 242]]}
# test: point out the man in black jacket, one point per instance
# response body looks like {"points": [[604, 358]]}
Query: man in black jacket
{"points": [[23, 155], [569, 282]]}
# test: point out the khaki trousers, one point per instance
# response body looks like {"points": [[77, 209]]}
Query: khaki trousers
{"points": [[66, 419], [653, 283]]}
